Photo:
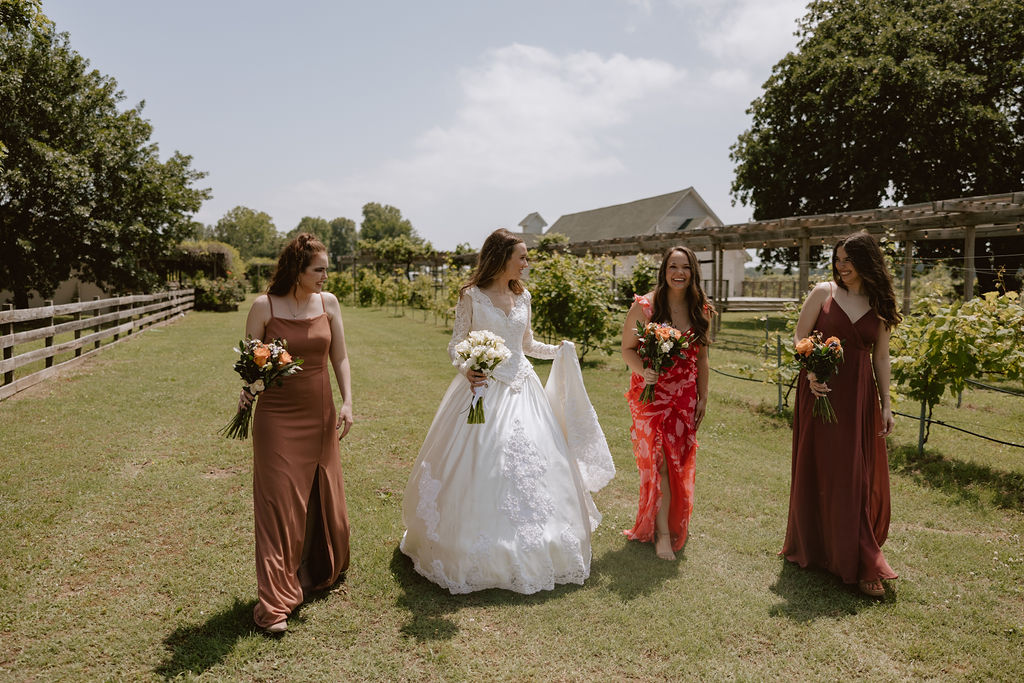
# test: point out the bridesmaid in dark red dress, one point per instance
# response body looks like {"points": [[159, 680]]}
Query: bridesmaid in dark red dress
{"points": [[839, 498], [302, 542]]}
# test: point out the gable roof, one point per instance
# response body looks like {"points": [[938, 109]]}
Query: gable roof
{"points": [[640, 217]]}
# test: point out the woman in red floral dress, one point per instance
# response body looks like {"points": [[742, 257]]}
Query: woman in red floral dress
{"points": [[664, 431]]}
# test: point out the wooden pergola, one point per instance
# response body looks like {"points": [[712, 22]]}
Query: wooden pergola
{"points": [[966, 218]]}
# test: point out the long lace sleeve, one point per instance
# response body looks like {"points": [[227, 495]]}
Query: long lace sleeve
{"points": [[532, 347], [462, 325]]}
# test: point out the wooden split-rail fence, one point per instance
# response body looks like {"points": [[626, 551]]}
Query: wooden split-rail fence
{"points": [[94, 325]]}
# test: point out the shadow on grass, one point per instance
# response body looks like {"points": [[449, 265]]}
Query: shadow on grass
{"points": [[811, 594], [430, 606], [197, 648], [634, 570], [964, 480]]}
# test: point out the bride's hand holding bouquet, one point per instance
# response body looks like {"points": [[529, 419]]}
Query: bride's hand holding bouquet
{"points": [[480, 352], [260, 365]]}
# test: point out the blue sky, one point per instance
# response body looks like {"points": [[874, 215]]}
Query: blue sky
{"points": [[467, 115]]}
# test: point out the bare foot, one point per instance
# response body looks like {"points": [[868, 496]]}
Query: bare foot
{"points": [[663, 547]]}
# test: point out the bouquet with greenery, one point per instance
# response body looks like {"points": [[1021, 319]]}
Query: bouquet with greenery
{"points": [[481, 351], [260, 365], [659, 346], [822, 357]]}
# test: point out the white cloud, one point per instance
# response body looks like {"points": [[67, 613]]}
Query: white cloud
{"points": [[527, 118], [755, 33]]}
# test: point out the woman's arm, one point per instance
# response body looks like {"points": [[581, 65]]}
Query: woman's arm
{"points": [[630, 342], [532, 347], [810, 310], [339, 360], [460, 330], [703, 372], [255, 327], [805, 325], [883, 374]]}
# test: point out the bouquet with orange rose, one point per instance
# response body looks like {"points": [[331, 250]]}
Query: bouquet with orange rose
{"points": [[260, 365], [659, 346], [822, 357]]}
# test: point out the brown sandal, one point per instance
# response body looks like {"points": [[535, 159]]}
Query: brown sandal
{"points": [[872, 587]]}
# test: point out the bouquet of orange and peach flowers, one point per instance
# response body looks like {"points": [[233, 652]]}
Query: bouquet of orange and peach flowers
{"points": [[822, 357], [658, 347], [260, 365]]}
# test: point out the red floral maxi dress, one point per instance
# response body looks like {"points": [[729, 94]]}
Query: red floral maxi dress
{"points": [[665, 425]]}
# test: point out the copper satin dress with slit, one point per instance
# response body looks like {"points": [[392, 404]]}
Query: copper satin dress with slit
{"points": [[302, 535], [839, 497]]}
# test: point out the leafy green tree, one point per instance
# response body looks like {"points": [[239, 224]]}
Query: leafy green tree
{"points": [[642, 278], [343, 236], [22, 15], [397, 253], [573, 299], [889, 101], [82, 188], [943, 345], [316, 226], [251, 232], [552, 241], [381, 221]]}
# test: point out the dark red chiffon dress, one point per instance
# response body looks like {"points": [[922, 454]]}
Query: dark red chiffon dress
{"points": [[839, 497]]}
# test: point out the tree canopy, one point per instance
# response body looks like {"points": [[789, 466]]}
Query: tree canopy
{"points": [[82, 188], [383, 220], [887, 102], [249, 231], [343, 236]]}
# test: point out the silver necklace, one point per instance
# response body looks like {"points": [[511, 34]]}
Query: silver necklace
{"points": [[291, 296]]}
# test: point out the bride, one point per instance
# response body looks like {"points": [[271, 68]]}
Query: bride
{"points": [[506, 503]]}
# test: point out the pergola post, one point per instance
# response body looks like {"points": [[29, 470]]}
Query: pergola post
{"points": [[908, 267], [969, 271], [723, 293], [805, 265]]}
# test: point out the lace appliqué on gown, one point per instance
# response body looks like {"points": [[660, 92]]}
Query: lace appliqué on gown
{"points": [[426, 509], [527, 503]]}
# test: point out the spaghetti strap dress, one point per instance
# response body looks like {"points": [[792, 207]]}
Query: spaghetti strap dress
{"points": [[839, 497], [665, 426], [302, 532]]}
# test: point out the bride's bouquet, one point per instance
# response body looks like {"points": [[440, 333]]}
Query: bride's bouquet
{"points": [[658, 347], [481, 351], [822, 357], [260, 365]]}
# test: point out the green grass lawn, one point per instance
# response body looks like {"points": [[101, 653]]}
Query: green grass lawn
{"points": [[126, 540]]}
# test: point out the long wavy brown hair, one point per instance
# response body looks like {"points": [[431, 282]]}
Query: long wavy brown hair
{"points": [[701, 309], [867, 259], [492, 259], [294, 258]]}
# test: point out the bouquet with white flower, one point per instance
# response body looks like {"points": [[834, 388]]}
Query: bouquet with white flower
{"points": [[481, 351], [259, 365]]}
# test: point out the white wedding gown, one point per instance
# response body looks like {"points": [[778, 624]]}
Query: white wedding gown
{"points": [[505, 504]]}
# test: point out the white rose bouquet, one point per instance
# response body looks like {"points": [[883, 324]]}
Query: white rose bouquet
{"points": [[481, 351]]}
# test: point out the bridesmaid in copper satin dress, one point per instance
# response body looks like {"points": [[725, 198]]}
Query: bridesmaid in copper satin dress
{"points": [[302, 534], [839, 498], [664, 431]]}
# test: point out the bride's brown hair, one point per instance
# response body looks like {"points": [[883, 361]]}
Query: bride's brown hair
{"points": [[491, 260], [294, 258]]}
